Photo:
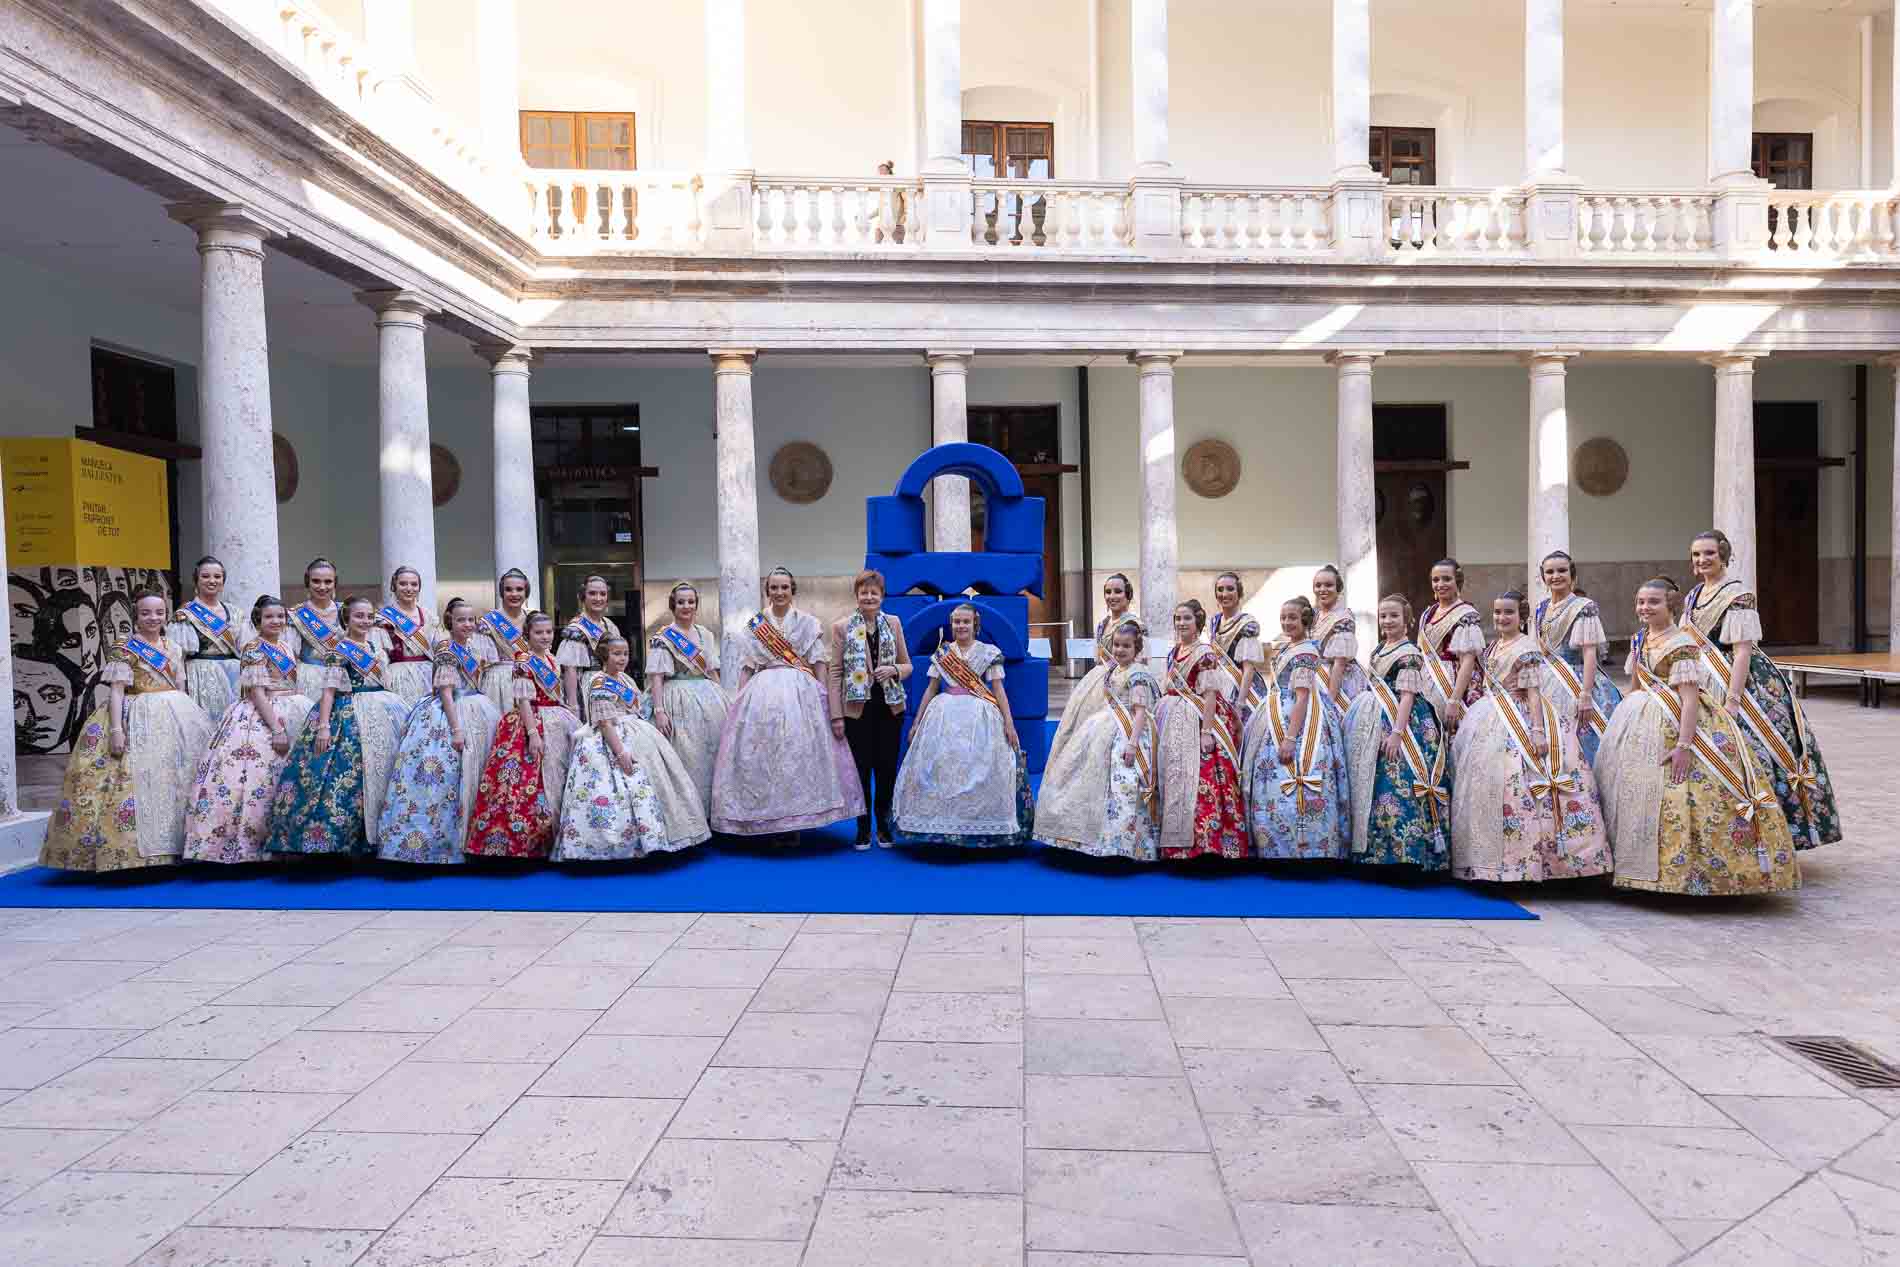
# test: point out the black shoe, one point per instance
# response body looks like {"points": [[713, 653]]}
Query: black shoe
{"points": [[885, 834], [863, 839]]}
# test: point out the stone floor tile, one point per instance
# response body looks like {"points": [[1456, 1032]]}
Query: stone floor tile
{"points": [[741, 1189], [799, 1040], [1600, 964], [1876, 1161], [1450, 983], [589, 948], [443, 922], [299, 928], [1540, 1029], [216, 1132], [630, 1251], [741, 932], [29, 1156], [674, 922], [1460, 1123], [95, 1219], [956, 1074], [1684, 1172], [934, 973], [320, 1061], [1063, 1258], [225, 963], [391, 947], [904, 1148], [1717, 1064], [152, 944], [1413, 941], [1809, 1133], [1629, 1009], [518, 928], [1827, 1218], [29, 1057], [1310, 932], [1695, 1233], [1281, 1235], [139, 1005], [403, 1009], [85, 925], [640, 1065], [877, 1229], [1203, 976], [15, 1014], [1272, 1083], [1376, 1053], [1092, 997], [1242, 1024], [684, 967], [1595, 1223], [219, 1033], [766, 1104], [953, 1018], [553, 1137], [1079, 956], [687, 1012], [1133, 1048], [434, 1098], [110, 1093], [453, 964], [858, 991], [997, 935], [1342, 962], [533, 1035], [839, 952], [496, 1223], [1146, 1114], [256, 1247], [305, 984], [1605, 1091], [596, 988], [1128, 1203], [1329, 1002], [1118, 927], [858, 924], [1312, 1159], [332, 1179], [1209, 939]]}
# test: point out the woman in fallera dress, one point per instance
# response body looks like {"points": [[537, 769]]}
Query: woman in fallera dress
{"points": [[122, 803], [1398, 756], [505, 630], [1090, 694], [444, 747], [316, 624], [1098, 787], [229, 815], [628, 793], [406, 633], [1451, 635], [520, 793], [1295, 759], [579, 652], [1720, 613], [1688, 806], [780, 769], [1337, 636], [1569, 631], [210, 633], [1236, 635], [689, 703], [963, 781], [1203, 809], [1524, 803]]}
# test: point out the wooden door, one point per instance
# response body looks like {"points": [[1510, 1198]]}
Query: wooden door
{"points": [[1410, 497], [1788, 521], [1049, 606]]}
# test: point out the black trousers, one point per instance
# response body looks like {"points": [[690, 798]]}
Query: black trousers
{"points": [[873, 739]]}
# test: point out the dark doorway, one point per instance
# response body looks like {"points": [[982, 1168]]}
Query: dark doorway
{"points": [[587, 476], [1788, 465], [1410, 461], [1030, 436], [135, 408]]}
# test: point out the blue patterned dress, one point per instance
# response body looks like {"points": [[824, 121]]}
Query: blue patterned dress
{"points": [[1301, 812], [1401, 815], [324, 800], [609, 814], [432, 789], [1563, 632]]}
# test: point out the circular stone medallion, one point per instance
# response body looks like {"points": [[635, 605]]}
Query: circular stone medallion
{"points": [[1600, 466], [800, 472], [283, 457], [1211, 467], [445, 474]]}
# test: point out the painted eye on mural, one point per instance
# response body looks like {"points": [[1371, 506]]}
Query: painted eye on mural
{"points": [[1420, 504]]}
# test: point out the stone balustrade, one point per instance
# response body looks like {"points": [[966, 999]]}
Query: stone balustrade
{"points": [[1852, 225], [1647, 222], [1428, 220], [1049, 215], [581, 212], [873, 213], [1249, 219]]}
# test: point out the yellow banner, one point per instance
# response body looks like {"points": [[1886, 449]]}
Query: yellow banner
{"points": [[79, 503]]}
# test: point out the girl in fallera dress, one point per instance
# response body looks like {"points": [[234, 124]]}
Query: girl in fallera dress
{"points": [[1569, 631], [229, 815], [444, 747], [1689, 808], [963, 781], [1524, 804], [1297, 790], [406, 633], [1720, 614], [1098, 786], [505, 631], [330, 793], [628, 793], [579, 652], [520, 793], [780, 769], [316, 624], [1244, 659], [689, 703], [1337, 636], [210, 633], [122, 804], [1398, 756], [1203, 807]]}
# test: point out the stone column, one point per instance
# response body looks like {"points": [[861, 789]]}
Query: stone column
{"points": [[1155, 189], [1160, 550], [1550, 194], [517, 520], [1735, 459], [407, 478], [1893, 547], [1548, 522], [1739, 218], [234, 408], [950, 424], [1357, 211], [1357, 499], [729, 172], [498, 70], [737, 489], [946, 176]]}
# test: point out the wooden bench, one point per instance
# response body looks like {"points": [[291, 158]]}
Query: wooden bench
{"points": [[1873, 670]]}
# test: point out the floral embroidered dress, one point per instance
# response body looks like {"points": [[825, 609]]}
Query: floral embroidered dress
{"points": [[960, 782], [329, 802], [229, 816], [432, 788], [210, 635], [1298, 811], [1238, 641], [1337, 634], [778, 767], [1445, 636], [579, 649], [1773, 721], [1203, 809], [1516, 816], [407, 640], [315, 630], [519, 797], [1401, 806], [608, 813], [116, 813], [1720, 831], [693, 698], [1098, 789], [505, 637], [1563, 631], [1090, 694]]}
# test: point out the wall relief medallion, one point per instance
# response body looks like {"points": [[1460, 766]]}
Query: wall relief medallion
{"points": [[283, 459], [1600, 466], [800, 472], [445, 474], [1211, 468]]}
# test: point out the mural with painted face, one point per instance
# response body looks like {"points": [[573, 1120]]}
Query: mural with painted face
{"points": [[62, 621], [46, 699]]}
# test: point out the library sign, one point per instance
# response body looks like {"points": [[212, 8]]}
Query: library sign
{"points": [[73, 502]]}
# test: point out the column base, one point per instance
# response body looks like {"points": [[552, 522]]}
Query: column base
{"points": [[1155, 197], [1356, 216], [1738, 221], [20, 839], [726, 203], [1550, 218], [946, 224]]}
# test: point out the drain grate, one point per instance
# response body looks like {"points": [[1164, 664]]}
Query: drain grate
{"points": [[1849, 1061]]}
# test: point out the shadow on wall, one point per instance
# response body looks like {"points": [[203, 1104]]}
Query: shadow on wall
{"points": [[63, 620]]}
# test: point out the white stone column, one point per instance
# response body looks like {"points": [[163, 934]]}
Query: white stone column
{"points": [[1548, 521], [406, 476], [1155, 189], [950, 424], [1357, 500], [1893, 97], [946, 175], [1357, 212], [737, 489], [1893, 547], [234, 407], [1543, 89], [728, 176], [498, 71], [1160, 550], [517, 519], [1739, 219], [1735, 459]]}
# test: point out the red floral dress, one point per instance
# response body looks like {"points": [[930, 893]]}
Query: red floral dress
{"points": [[515, 811], [1216, 820]]}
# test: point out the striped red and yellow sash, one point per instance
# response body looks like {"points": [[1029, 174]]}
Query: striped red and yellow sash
{"points": [[1178, 684], [1150, 794], [1428, 784], [774, 640], [1736, 777], [1799, 766], [956, 669], [1548, 778], [1300, 780]]}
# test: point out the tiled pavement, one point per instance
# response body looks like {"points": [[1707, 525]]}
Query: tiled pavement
{"points": [[228, 1087]]}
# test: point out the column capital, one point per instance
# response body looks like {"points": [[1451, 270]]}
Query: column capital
{"points": [[732, 360], [1891, 360], [1733, 362], [398, 307], [1156, 361], [1551, 361], [1357, 361], [227, 226], [949, 360], [506, 358]]}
